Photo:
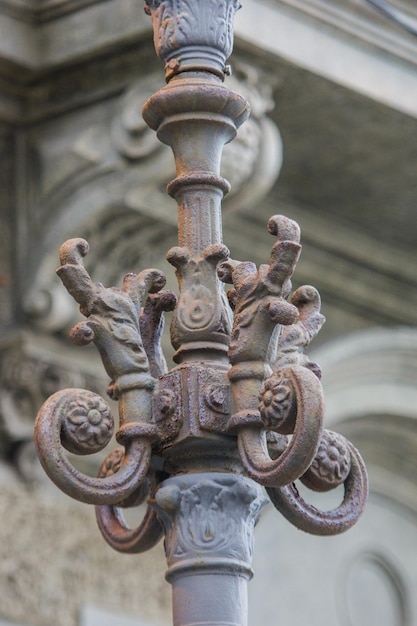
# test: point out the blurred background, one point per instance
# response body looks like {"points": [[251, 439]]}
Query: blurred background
{"points": [[331, 143]]}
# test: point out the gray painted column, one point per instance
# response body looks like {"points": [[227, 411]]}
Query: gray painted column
{"points": [[209, 520]]}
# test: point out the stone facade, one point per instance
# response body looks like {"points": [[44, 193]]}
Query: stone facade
{"points": [[53, 563], [333, 89]]}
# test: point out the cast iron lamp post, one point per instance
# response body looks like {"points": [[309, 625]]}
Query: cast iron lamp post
{"points": [[243, 407]]}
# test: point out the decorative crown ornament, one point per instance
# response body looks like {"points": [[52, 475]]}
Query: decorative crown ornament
{"points": [[244, 405]]}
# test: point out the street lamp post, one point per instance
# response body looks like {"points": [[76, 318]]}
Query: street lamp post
{"points": [[243, 407]]}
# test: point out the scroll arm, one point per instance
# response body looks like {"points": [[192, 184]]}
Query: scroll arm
{"points": [[308, 518], [306, 428], [110, 518], [70, 419]]}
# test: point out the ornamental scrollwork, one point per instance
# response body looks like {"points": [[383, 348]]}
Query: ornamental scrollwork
{"points": [[289, 502], [275, 388], [244, 404], [261, 309], [111, 522], [78, 420]]}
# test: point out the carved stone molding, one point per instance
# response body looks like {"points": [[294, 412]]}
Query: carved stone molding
{"points": [[31, 368], [109, 179], [333, 30], [40, 10], [370, 372], [43, 34], [66, 156]]}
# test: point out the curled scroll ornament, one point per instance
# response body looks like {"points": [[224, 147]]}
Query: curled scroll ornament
{"points": [[110, 519], [308, 518], [53, 435], [261, 309], [115, 318], [298, 455]]}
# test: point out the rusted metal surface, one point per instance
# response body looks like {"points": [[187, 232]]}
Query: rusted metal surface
{"points": [[244, 401]]}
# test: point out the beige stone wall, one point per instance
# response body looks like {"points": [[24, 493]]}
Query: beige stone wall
{"points": [[53, 561]]}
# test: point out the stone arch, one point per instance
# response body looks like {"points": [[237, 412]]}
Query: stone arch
{"points": [[370, 386], [121, 237], [368, 575]]}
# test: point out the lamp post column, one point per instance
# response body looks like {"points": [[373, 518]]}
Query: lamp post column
{"points": [[208, 515], [243, 407], [209, 519]]}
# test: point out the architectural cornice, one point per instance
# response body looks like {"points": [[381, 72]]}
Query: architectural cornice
{"points": [[375, 276], [66, 31], [41, 10], [361, 22], [347, 43]]}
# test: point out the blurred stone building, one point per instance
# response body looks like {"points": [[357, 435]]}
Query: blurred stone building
{"points": [[332, 144]]}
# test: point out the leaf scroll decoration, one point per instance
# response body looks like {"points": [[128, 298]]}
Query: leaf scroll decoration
{"points": [[80, 421]]}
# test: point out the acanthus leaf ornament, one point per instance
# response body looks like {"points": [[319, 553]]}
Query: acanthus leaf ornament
{"points": [[193, 37], [208, 520]]}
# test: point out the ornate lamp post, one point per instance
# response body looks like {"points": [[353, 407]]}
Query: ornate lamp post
{"points": [[243, 407]]}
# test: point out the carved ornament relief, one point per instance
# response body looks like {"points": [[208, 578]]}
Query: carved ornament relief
{"points": [[108, 180], [29, 373]]}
